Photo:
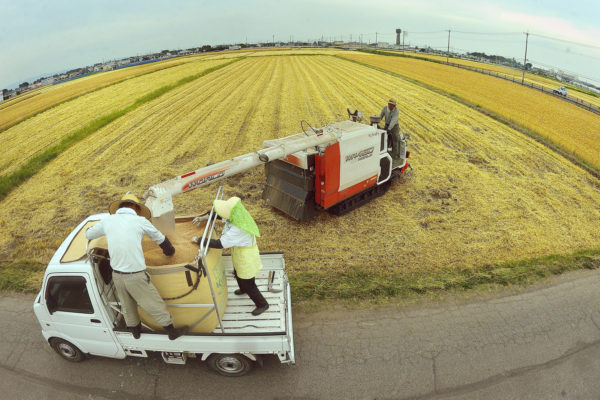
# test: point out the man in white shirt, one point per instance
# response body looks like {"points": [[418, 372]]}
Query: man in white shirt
{"points": [[390, 112], [124, 229]]}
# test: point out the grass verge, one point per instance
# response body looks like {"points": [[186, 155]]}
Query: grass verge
{"points": [[24, 276], [357, 284], [373, 284], [35, 164]]}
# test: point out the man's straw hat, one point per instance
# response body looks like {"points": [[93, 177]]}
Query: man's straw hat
{"points": [[234, 211], [130, 198], [392, 101], [224, 207]]}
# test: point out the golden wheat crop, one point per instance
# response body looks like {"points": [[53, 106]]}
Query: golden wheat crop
{"points": [[23, 96], [479, 193], [565, 124], [33, 136], [49, 96], [516, 74]]}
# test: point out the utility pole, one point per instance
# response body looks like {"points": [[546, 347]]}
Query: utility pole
{"points": [[448, 52], [525, 59], [376, 39], [273, 40]]}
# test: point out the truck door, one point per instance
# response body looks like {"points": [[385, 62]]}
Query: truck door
{"points": [[70, 310]]}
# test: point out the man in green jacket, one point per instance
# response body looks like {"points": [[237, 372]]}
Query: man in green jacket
{"points": [[240, 234]]}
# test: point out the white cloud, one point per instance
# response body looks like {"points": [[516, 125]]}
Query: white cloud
{"points": [[38, 40], [552, 26]]}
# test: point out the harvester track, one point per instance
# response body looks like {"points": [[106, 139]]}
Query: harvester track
{"points": [[359, 199]]}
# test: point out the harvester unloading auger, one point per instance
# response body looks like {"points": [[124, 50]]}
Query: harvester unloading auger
{"points": [[337, 168]]}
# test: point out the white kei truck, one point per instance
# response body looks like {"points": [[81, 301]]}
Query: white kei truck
{"points": [[80, 315]]}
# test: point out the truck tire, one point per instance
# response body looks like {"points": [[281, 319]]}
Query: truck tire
{"points": [[231, 365], [67, 350]]}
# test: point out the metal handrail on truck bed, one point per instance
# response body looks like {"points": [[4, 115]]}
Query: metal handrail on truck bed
{"points": [[203, 251]]}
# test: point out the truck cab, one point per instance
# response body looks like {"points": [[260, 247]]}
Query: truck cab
{"points": [[561, 91], [80, 316]]}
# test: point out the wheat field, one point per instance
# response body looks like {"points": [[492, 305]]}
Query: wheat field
{"points": [[25, 140], [515, 73], [14, 110], [569, 126], [479, 192]]}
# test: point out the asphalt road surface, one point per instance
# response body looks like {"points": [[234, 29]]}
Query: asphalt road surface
{"points": [[540, 343]]}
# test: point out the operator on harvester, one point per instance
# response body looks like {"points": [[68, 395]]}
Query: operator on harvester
{"points": [[390, 112]]}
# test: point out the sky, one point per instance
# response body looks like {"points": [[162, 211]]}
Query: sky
{"points": [[41, 37]]}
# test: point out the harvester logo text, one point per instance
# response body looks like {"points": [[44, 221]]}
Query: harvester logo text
{"points": [[360, 155], [203, 180]]}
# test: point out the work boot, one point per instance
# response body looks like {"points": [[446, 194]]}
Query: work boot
{"points": [[239, 292], [260, 310], [174, 333], [259, 301], [136, 330]]}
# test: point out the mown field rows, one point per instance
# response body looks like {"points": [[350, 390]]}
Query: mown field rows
{"points": [[572, 128], [23, 141], [515, 73], [479, 193], [16, 110]]}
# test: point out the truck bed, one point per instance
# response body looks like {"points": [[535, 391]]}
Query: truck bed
{"points": [[238, 319], [269, 333]]}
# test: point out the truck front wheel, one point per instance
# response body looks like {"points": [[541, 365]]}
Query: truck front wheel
{"points": [[67, 350], [229, 364]]}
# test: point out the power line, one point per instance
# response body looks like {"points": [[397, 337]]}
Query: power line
{"points": [[490, 40], [569, 51], [596, 79], [421, 33], [488, 33], [566, 41]]}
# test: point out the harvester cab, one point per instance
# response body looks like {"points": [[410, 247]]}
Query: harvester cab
{"points": [[374, 120]]}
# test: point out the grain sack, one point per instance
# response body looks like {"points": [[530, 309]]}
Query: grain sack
{"points": [[178, 281]]}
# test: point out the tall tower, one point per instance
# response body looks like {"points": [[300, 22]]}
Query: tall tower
{"points": [[398, 32]]}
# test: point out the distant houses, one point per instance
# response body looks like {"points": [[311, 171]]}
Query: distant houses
{"points": [[98, 67], [8, 93]]}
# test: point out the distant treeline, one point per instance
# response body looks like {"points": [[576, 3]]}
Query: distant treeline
{"points": [[497, 59]]}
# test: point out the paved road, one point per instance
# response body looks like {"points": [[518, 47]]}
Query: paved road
{"points": [[542, 343]]}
